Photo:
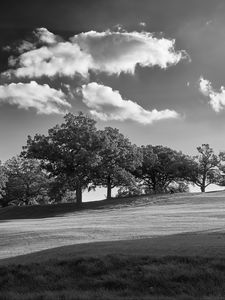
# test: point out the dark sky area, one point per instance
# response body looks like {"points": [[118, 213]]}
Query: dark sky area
{"points": [[198, 28]]}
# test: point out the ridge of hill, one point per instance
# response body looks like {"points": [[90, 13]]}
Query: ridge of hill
{"points": [[58, 209]]}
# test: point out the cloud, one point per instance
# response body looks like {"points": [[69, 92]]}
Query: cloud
{"points": [[117, 52], [106, 104], [64, 59], [25, 46], [216, 99], [112, 52], [43, 98], [142, 24], [45, 36]]}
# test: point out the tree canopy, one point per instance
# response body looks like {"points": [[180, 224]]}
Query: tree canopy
{"points": [[70, 151], [3, 180], [75, 156], [119, 157], [160, 167], [26, 182], [206, 168]]}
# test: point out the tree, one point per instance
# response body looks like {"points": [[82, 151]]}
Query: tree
{"points": [[119, 157], [3, 180], [161, 166], [70, 151], [206, 169], [132, 188], [178, 187], [26, 182]]}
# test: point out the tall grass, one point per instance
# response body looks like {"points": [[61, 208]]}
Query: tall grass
{"points": [[116, 277]]}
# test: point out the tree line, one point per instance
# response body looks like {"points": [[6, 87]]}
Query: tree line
{"points": [[75, 156]]}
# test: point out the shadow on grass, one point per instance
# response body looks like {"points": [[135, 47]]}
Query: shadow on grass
{"points": [[116, 277], [53, 210], [45, 211]]}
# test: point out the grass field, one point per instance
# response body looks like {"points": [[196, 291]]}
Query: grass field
{"points": [[115, 277], [164, 247], [25, 229]]}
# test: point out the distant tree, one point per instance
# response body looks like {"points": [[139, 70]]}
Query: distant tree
{"points": [[161, 166], [132, 188], [3, 180], [119, 157], [27, 182], [178, 187], [207, 167], [70, 151]]}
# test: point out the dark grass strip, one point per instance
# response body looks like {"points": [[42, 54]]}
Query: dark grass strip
{"points": [[116, 277]]}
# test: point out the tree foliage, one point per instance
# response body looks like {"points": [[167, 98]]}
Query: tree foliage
{"points": [[70, 151], [119, 157], [75, 155], [26, 182], [3, 180], [161, 166], [207, 167]]}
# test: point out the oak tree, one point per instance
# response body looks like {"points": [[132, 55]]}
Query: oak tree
{"points": [[161, 166], [119, 157], [26, 182], [206, 169], [70, 151]]}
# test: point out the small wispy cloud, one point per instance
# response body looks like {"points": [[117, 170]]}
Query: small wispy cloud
{"points": [[142, 24], [111, 52], [43, 98], [107, 104], [209, 23], [216, 99], [118, 27]]}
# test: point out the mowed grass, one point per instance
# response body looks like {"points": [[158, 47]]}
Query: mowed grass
{"points": [[187, 265], [115, 277], [25, 230]]}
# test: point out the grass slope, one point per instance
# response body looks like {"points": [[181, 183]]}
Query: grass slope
{"points": [[59, 209], [182, 266], [24, 230], [191, 244], [116, 277]]}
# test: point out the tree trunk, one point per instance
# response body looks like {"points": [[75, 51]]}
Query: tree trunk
{"points": [[203, 183], [79, 195], [153, 185], [109, 188], [203, 188], [27, 195], [154, 188]]}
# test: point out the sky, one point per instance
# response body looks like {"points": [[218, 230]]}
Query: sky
{"points": [[155, 69]]}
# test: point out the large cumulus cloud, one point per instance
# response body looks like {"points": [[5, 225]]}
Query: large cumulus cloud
{"points": [[107, 104], [110, 52]]}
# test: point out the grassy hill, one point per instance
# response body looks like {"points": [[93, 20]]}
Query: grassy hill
{"points": [[29, 229], [45, 211], [165, 247]]}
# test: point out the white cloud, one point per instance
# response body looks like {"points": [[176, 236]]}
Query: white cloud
{"points": [[45, 36], [118, 27], [216, 99], [106, 104], [109, 52], [43, 98], [142, 24], [116, 52], [64, 59], [25, 46]]}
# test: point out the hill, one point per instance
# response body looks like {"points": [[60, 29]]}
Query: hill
{"points": [[25, 229]]}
